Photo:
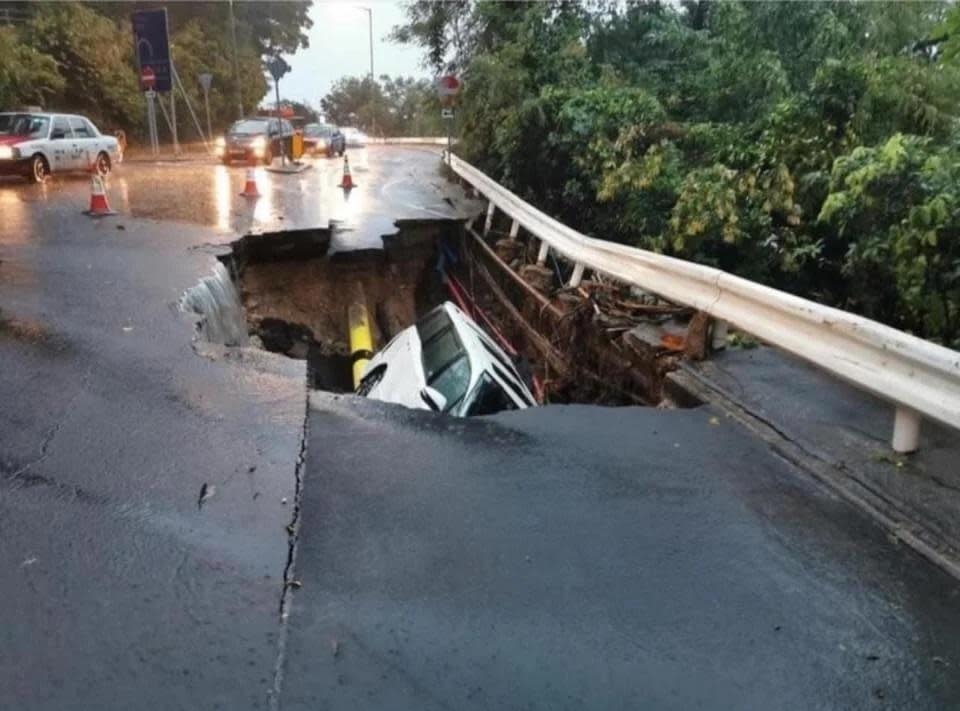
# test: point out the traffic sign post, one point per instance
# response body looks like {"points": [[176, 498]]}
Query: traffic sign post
{"points": [[152, 45], [448, 88], [148, 78], [278, 67], [150, 95], [206, 80]]}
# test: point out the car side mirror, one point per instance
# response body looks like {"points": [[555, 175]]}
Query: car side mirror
{"points": [[58, 135], [434, 398]]}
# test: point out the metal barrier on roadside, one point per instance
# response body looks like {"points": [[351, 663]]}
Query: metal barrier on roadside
{"points": [[422, 141], [921, 379]]}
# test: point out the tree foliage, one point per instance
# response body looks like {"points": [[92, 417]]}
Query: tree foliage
{"points": [[809, 145], [79, 56], [399, 106]]}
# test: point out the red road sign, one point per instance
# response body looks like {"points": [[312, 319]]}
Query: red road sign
{"points": [[148, 79], [448, 85]]}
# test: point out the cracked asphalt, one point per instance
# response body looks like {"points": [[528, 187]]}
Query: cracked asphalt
{"points": [[567, 557]]}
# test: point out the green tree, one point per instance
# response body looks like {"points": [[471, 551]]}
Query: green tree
{"points": [[809, 145], [26, 75], [398, 106]]}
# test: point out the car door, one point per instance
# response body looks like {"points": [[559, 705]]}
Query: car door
{"points": [[62, 146], [85, 143]]}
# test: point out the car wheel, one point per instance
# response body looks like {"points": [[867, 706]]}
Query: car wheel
{"points": [[102, 164], [39, 169]]}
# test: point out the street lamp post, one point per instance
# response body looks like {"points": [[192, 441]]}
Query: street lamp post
{"points": [[369, 12], [236, 61]]}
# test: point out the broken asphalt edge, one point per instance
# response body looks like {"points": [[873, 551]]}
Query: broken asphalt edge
{"points": [[904, 526]]}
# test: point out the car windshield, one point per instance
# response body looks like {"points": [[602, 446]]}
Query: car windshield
{"points": [[247, 126], [488, 397], [27, 125], [452, 381], [446, 367]]}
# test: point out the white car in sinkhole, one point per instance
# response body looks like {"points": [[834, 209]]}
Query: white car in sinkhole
{"points": [[445, 363]]}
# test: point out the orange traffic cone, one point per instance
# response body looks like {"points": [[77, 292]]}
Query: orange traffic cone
{"points": [[250, 189], [98, 199], [347, 182]]}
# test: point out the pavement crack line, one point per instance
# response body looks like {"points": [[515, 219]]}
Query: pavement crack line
{"points": [[52, 432], [293, 533]]}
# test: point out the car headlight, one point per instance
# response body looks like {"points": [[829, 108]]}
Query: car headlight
{"points": [[258, 144], [7, 153], [219, 146]]}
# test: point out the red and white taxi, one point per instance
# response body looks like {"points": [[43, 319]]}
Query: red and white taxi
{"points": [[36, 144]]}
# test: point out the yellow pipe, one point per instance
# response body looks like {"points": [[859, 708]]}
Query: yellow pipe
{"points": [[361, 339]]}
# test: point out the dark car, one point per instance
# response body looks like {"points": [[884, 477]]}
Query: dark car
{"points": [[323, 138], [255, 139]]}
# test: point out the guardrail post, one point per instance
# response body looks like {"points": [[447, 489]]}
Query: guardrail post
{"points": [[491, 208], [542, 254], [906, 431], [514, 229], [718, 341], [577, 276]]}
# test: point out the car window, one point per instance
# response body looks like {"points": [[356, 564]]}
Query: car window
{"points": [[249, 126], [431, 324], [453, 381], [488, 397], [513, 386], [27, 125], [90, 127], [446, 366], [79, 127], [60, 124], [439, 352]]}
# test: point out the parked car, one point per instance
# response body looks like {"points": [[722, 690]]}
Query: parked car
{"points": [[446, 363], [255, 139], [323, 138], [355, 137], [36, 144]]}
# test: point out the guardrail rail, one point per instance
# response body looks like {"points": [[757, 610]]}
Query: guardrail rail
{"points": [[920, 379]]}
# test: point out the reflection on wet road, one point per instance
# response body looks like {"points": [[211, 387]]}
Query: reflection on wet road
{"points": [[391, 183]]}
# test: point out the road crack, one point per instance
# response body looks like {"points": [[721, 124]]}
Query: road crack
{"points": [[290, 584]]}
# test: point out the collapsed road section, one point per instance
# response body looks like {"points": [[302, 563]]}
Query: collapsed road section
{"points": [[601, 343]]}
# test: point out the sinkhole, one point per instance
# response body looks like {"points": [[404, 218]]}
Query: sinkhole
{"points": [[287, 293]]}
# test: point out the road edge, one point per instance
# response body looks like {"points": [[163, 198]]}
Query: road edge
{"points": [[686, 384]]}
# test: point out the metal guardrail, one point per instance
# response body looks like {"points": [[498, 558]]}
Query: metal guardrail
{"points": [[430, 141], [13, 15], [919, 378]]}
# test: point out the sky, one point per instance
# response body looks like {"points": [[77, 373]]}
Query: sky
{"points": [[339, 46]]}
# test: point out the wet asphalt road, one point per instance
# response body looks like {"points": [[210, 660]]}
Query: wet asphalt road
{"points": [[117, 590], [563, 558]]}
